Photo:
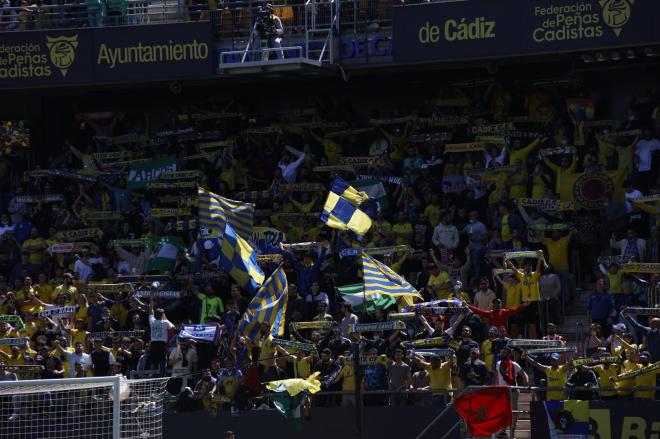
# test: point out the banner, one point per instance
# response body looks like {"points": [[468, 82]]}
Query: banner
{"points": [[169, 212], [524, 342], [320, 324], [295, 345], [61, 311], [562, 150], [633, 373], [112, 156], [486, 29], [63, 174], [143, 278], [14, 341], [100, 215], [180, 175], [643, 311], [639, 267], [141, 242], [546, 204], [376, 327], [356, 161], [598, 420], [13, 320], [30, 199], [110, 288], [75, 235], [115, 334], [589, 191], [143, 173], [432, 352], [205, 333], [264, 238], [354, 251], [596, 360], [464, 147], [557, 350], [177, 185], [171, 294], [551, 227], [106, 54]]}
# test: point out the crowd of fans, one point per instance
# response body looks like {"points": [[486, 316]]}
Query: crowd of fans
{"points": [[457, 213]]}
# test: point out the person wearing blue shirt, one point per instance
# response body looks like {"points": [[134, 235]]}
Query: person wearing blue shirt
{"points": [[651, 333], [601, 305], [308, 272]]}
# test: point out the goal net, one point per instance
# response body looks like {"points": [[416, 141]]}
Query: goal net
{"points": [[94, 408]]}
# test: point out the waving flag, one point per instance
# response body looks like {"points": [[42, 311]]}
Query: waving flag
{"points": [[380, 279], [341, 210], [354, 295], [486, 411], [268, 306], [216, 211], [240, 260]]}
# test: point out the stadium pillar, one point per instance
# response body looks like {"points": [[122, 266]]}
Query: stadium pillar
{"points": [[358, 393]]}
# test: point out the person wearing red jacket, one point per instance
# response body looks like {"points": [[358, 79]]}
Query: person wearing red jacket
{"points": [[497, 316]]}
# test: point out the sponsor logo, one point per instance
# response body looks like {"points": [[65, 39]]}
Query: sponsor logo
{"points": [[62, 52], [616, 13], [590, 190]]}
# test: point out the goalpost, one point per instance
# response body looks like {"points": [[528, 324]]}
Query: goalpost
{"points": [[95, 408]]}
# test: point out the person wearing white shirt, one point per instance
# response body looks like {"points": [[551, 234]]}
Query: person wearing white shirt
{"points": [[630, 195], [644, 150], [445, 235], [493, 159], [83, 267], [290, 167], [78, 356], [183, 358], [160, 328]]}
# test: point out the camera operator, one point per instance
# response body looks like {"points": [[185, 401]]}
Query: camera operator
{"points": [[269, 30]]}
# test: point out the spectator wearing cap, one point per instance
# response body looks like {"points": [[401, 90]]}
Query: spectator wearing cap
{"points": [[337, 343], [600, 307], [475, 372], [556, 376], [645, 380]]}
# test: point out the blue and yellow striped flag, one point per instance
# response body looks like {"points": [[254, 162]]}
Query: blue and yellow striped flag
{"points": [[341, 210], [215, 211], [380, 279], [240, 260], [268, 307]]}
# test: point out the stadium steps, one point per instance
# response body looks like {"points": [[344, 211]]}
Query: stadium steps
{"points": [[162, 11], [576, 312]]}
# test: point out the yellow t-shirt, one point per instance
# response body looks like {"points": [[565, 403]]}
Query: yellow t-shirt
{"points": [[518, 185], [505, 231], [9, 334], [301, 368], [79, 336], [63, 289], [348, 375], [437, 284], [27, 295], [614, 282], [332, 151], [440, 377], [627, 366], [406, 229], [432, 213], [487, 351], [558, 252], [38, 256], [605, 372], [45, 292], [81, 313], [522, 153], [556, 378], [512, 293], [646, 380], [529, 285]]}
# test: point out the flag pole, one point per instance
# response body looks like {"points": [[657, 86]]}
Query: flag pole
{"points": [[358, 394]]}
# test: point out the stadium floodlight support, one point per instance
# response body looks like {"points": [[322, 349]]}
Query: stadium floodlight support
{"points": [[110, 407]]}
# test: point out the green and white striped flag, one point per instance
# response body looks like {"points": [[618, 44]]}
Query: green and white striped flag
{"points": [[354, 295], [165, 250], [374, 188]]}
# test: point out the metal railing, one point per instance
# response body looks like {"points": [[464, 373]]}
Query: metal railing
{"points": [[229, 19], [131, 12]]}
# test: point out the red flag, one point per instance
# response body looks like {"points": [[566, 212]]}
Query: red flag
{"points": [[485, 411]]}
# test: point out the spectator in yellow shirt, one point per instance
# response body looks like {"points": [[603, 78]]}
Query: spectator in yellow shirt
{"points": [[433, 211], [440, 375], [438, 283], [645, 380], [35, 247], [43, 288], [67, 288], [557, 247], [402, 230]]}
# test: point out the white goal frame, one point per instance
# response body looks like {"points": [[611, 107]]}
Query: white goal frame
{"points": [[113, 381]]}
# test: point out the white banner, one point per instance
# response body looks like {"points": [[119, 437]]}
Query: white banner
{"points": [[199, 332]]}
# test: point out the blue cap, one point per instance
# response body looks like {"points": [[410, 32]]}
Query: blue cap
{"points": [[555, 357]]}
